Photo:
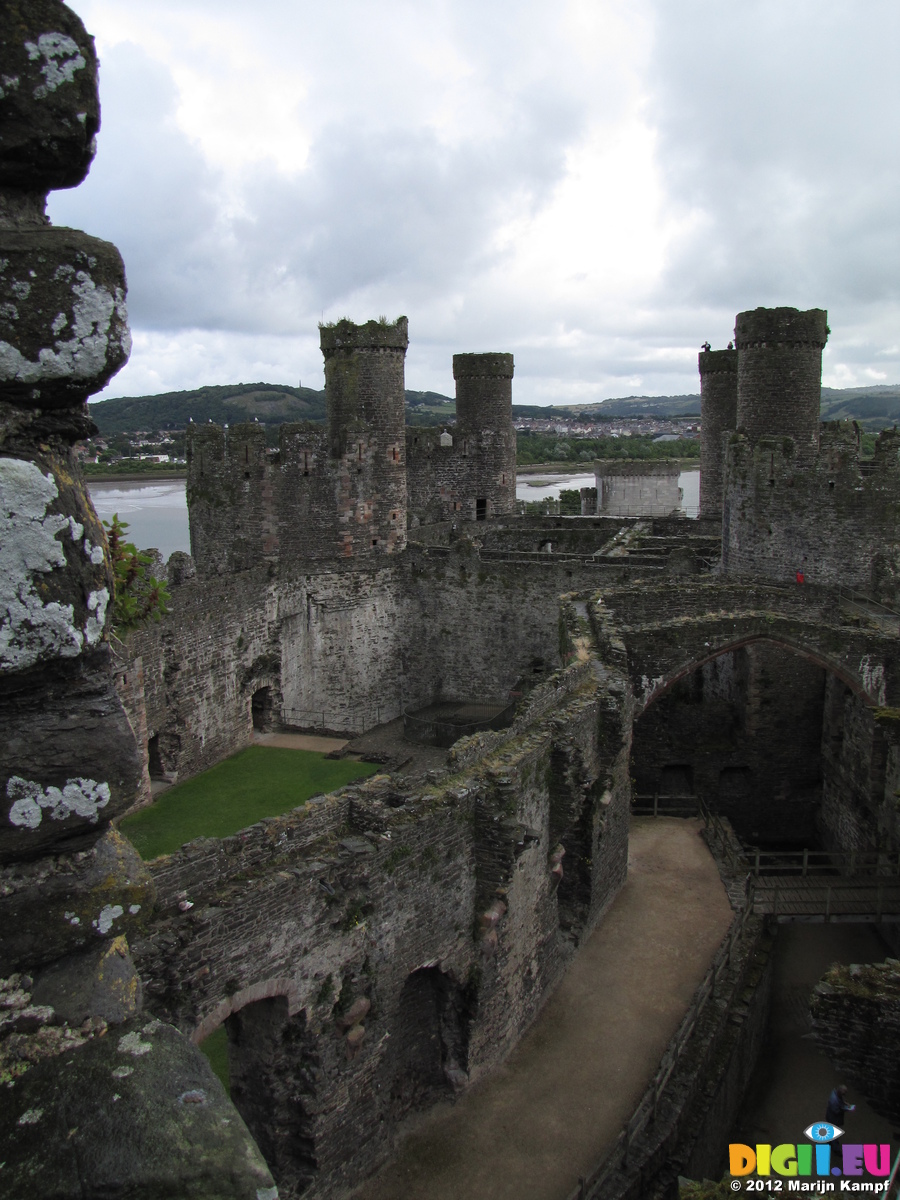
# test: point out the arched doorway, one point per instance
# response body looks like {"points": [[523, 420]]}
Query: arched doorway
{"points": [[267, 1059]]}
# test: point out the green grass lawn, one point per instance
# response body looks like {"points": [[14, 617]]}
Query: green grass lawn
{"points": [[262, 781]]}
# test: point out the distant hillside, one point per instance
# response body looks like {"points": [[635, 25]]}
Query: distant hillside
{"points": [[872, 407], [610, 410], [273, 404], [270, 403]]}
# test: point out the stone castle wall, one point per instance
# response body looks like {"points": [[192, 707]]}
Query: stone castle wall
{"points": [[343, 650], [856, 1021], [440, 918], [627, 489], [345, 493], [833, 519]]}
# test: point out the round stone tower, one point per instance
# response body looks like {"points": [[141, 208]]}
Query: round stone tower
{"points": [[718, 416], [484, 425], [780, 375], [364, 390]]}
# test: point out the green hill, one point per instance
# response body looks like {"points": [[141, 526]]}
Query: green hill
{"points": [[270, 403], [273, 404], [872, 407]]}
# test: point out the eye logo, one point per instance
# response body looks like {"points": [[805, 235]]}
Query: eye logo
{"points": [[822, 1132]]}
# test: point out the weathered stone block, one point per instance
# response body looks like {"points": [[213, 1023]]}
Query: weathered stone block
{"points": [[63, 324], [56, 906], [55, 580], [49, 107], [68, 760], [138, 1112], [101, 983]]}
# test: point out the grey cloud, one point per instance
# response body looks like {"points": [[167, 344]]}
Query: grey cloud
{"points": [[374, 207], [773, 122]]}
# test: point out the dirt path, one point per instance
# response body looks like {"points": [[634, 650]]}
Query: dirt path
{"points": [[544, 1118], [300, 741]]}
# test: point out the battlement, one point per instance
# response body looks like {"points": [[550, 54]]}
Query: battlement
{"points": [[717, 362], [483, 366], [372, 335], [780, 374], [765, 328]]}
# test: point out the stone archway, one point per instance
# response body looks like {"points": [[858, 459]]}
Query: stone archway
{"points": [[273, 1065], [743, 732], [667, 632], [272, 1062]]}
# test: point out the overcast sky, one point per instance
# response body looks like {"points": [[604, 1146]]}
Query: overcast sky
{"points": [[597, 186]]}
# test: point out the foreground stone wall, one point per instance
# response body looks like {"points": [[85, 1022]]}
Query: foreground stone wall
{"points": [[79, 1114]]}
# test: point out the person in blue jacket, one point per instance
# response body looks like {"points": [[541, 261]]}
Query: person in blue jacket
{"points": [[837, 1105]]}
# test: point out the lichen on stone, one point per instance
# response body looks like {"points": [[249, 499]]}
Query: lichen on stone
{"points": [[62, 58], [78, 797]]}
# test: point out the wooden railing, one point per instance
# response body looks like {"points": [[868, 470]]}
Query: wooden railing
{"points": [[796, 885]]}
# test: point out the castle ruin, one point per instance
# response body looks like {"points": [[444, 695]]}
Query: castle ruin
{"points": [[383, 947]]}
